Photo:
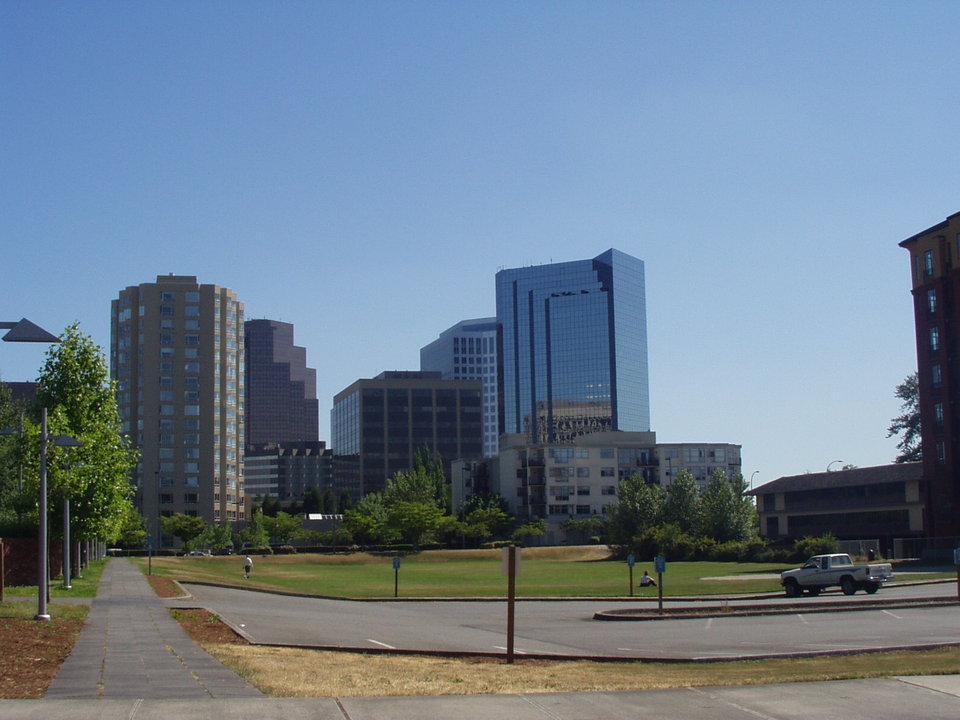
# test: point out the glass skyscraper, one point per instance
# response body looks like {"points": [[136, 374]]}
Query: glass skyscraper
{"points": [[574, 348]]}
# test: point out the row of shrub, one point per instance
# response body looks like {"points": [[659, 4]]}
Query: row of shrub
{"points": [[678, 546]]}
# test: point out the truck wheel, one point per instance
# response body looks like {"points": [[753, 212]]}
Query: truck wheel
{"points": [[814, 590], [871, 587], [848, 586], [791, 588]]}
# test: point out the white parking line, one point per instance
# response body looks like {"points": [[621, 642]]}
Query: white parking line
{"points": [[802, 619], [892, 615], [516, 650], [377, 642]]}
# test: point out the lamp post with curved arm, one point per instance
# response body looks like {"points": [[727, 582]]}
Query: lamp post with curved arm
{"points": [[831, 463]]}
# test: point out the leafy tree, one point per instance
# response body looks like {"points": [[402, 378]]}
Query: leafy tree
{"points": [[270, 506], [217, 537], [424, 483], [133, 530], [282, 527], [639, 507], [532, 529], [483, 501], [593, 527], [681, 503], [18, 490], [255, 533], [907, 424], [313, 501], [74, 385], [488, 522], [725, 513], [188, 528], [328, 502], [345, 502], [367, 523], [416, 522]]}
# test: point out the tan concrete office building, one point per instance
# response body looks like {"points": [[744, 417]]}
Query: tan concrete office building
{"points": [[176, 352]]}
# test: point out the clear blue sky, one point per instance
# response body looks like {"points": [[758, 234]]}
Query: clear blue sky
{"points": [[363, 169]]}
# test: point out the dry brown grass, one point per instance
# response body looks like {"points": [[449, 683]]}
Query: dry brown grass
{"points": [[288, 672]]}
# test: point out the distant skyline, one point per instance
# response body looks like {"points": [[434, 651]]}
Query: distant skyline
{"points": [[363, 170]]}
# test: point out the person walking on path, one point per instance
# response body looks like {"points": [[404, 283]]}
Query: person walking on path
{"points": [[247, 566]]}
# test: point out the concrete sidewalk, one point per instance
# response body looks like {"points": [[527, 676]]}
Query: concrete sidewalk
{"points": [[134, 662], [132, 648]]}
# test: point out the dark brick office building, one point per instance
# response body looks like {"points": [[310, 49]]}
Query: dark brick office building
{"points": [[281, 397], [379, 424]]}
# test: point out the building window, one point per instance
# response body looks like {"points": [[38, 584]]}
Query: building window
{"points": [[931, 301], [928, 263], [166, 498], [934, 339], [167, 310], [941, 453], [191, 498], [935, 376], [938, 414]]}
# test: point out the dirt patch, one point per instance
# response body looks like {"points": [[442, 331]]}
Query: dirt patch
{"points": [[205, 627], [164, 587], [31, 652]]}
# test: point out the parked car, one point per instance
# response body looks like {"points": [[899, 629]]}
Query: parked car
{"points": [[822, 571]]}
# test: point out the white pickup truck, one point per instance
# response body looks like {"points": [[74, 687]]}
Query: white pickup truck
{"points": [[822, 571]]}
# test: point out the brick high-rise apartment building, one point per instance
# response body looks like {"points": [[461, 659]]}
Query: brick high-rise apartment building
{"points": [[935, 271], [177, 354]]}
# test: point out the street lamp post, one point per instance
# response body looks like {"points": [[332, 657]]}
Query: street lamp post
{"points": [[26, 331], [832, 462], [751, 478], [43, 576]]}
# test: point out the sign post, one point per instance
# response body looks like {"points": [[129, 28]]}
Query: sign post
{"points": [[631, 561], [511, 567], [396, 575], [956, 561], [660, 563]]}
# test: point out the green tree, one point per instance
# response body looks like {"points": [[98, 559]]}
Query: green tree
{"points": [[255, 533], [75, 387], [592, 528], [639, 507], [531, 529], [907, 424], [188, 528], [484, 501], [344, 502], [328, 502], [282, 527], [368, 522], [415, 522], [424, 483], [313, 501], [681, 503], [18, 498], [488, 522], [133, 530], [270, 506], [217, 537], [726, 514]]}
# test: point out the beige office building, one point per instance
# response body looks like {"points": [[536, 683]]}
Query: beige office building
{"points": [[176, 352]]}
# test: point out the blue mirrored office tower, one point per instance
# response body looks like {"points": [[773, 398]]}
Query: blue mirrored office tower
{"points": [[573, 348]]}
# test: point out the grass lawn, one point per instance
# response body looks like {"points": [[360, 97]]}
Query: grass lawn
{"points": [[562, 572], [85, 587]]}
